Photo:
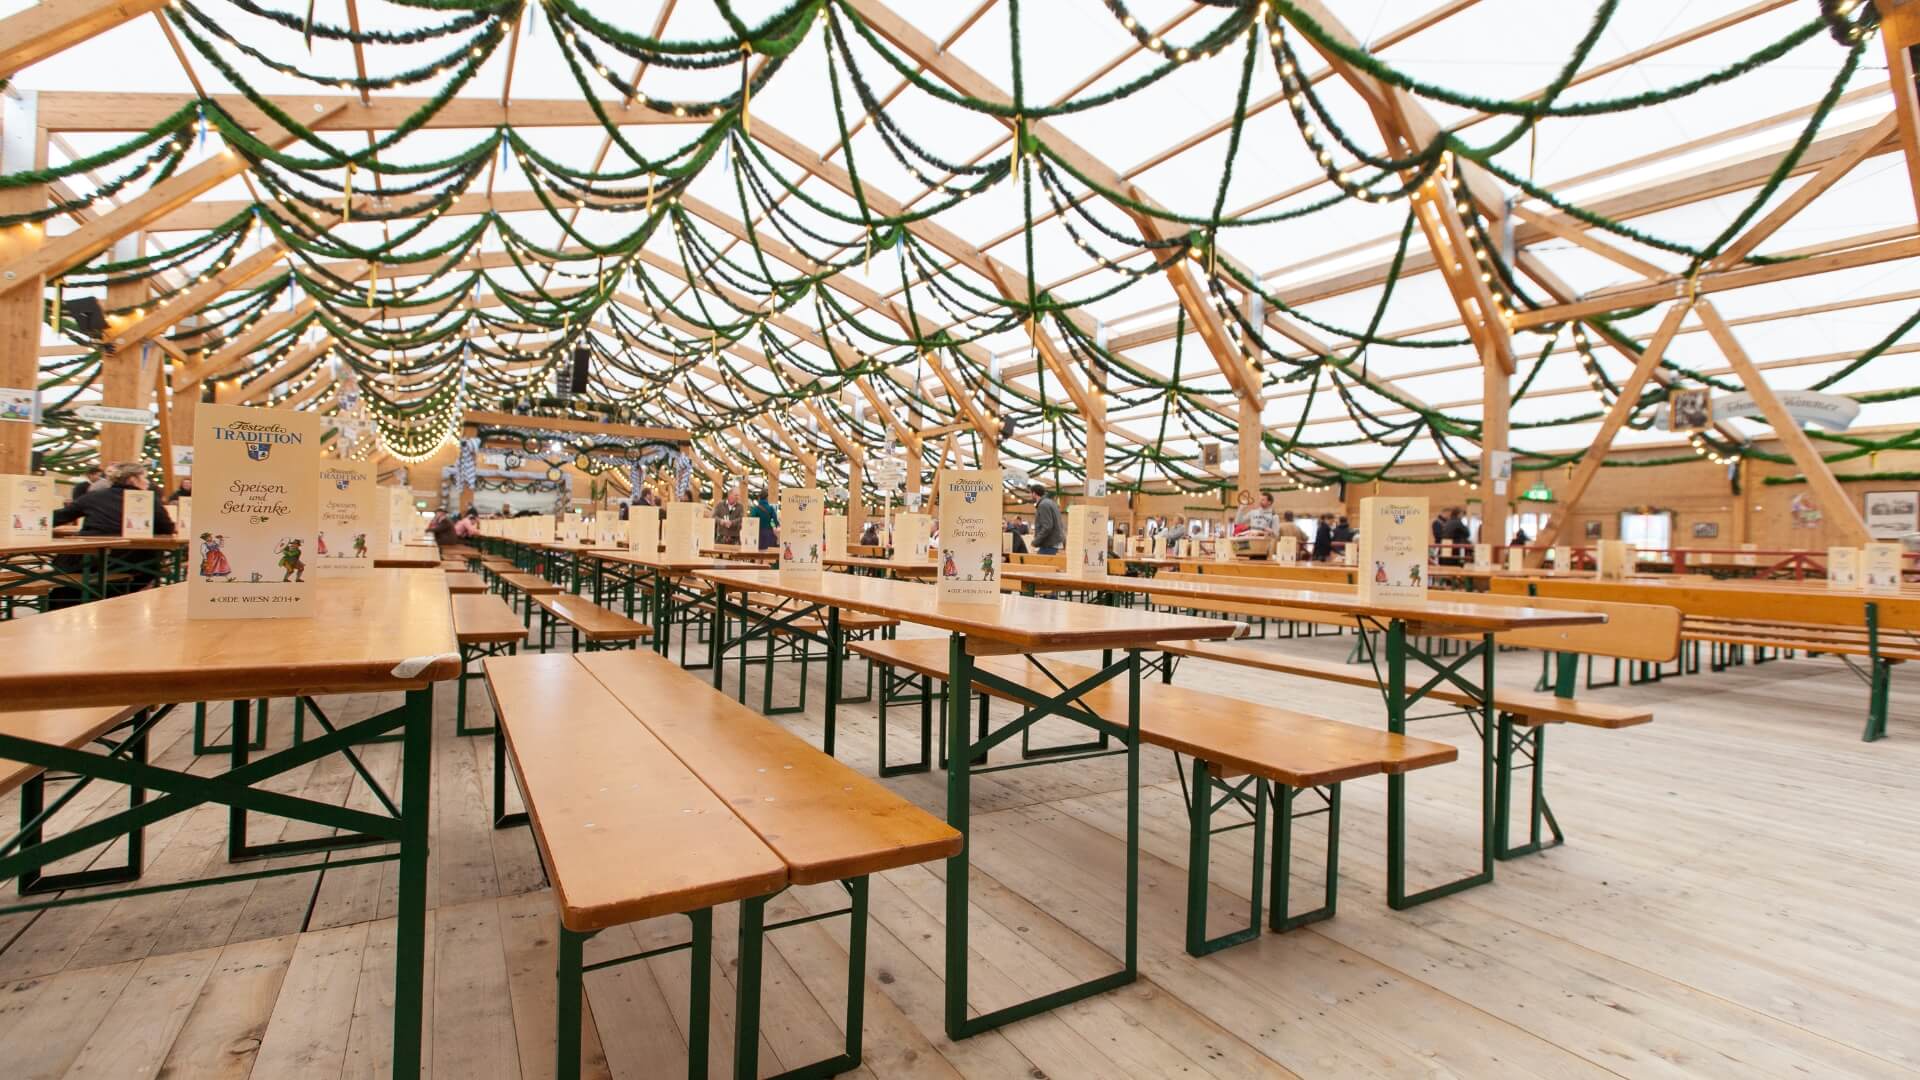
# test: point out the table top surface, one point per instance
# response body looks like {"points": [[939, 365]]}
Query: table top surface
{"points": [[1463, 613], [868, 562], [63, 545], [381, 630], [738, 552], [659, 562], [408, 560], [1026, 622]]}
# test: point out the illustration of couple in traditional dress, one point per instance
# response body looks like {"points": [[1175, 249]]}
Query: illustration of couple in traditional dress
{"points": [[291, 568], [213, 561]]}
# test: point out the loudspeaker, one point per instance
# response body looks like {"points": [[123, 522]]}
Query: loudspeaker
{"points": [[87, 316], [579, 381]]}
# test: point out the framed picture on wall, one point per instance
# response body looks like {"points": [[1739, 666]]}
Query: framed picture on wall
{"points": [[1594, 529], [1691, 410], [1706, 530], [1892, 514]]}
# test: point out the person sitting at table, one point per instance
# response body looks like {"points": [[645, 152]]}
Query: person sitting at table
{"points": [[870, 536], [184, 491], [99, 513], [83, 486], [469, 524]]}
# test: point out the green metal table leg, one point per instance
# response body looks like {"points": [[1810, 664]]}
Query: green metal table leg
{"points": [[836, 647], [410, 936]]}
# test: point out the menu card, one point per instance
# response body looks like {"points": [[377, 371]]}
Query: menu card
{"points": [[1287, 550], [836, 526], [347, 493], [1516, 559], [970, 522], [1393, 548], [643, 531], [136, 513], [1880, 567], [1616, 560], [1086, 540], [1843, 568], [26, 509], [261, 470], [682, 538], [802, 528], [910, 535]]}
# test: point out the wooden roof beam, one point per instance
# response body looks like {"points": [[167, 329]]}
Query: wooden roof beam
{"points": [[44, 29], [1900, 35]]}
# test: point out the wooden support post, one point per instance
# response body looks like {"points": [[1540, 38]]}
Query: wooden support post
{"points": [[124, 383], [1900, 34], [1834, 501], [856, 498], [23, 146], [1249, 475]]}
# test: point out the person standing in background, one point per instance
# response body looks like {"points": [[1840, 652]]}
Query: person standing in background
{"points": [[1049, 533]]}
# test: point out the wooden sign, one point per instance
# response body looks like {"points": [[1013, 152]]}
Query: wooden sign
{"points": [[136, 513], [1086, 540], [1843, 569], [1393, 548], [1880, 565], [803, 530], [682, 539], [348, 492], [26, 509], [836, 526], [970, 521], [256, 531], [643, 530]]}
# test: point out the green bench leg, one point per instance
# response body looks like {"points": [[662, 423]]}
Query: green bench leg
{"points": [[1532, 744], [502, 819], [1280, 918], [1200, 830], [888, 683], [746, 1018]]}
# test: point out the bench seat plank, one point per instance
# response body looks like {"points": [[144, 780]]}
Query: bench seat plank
{"points": [[825, 820], [531, 584], [1297, 749], [593, 622], [484, 620], [71, 728], [654, 841], [1530, 708], [465, 581]]}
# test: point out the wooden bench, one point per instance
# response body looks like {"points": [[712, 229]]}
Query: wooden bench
{"points": [[701, 803], [527, 586], [484, 626], [463, 581], [1276, 752], [592, 624], [73, 729]]}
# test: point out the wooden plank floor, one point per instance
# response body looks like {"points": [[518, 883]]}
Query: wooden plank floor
{"points": [[1736, 899]]}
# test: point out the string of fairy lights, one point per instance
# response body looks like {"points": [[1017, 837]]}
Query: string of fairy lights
{"points": [[721, 319]]}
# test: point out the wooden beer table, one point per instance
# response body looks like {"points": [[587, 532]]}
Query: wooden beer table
{"points": [[1006, 625], [880, 568], [666, 583], [32, 561], [742, 554], [385, 631], [1401, 622]]}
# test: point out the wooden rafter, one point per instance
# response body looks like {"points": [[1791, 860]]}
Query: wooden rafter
{"points": [[1900, 35], [45, 29]]}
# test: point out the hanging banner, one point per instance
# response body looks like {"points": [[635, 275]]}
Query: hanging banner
{"points": [[1393, 548], [1831, 411], [1086, 549], [802, 530], [261, 470], [136, 514], [969, 535], [348, 490]]}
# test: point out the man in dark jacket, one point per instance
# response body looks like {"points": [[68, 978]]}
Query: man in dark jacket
{"points": [[101, 513], [1049, 533], [85, 485], [1457, 537]]}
